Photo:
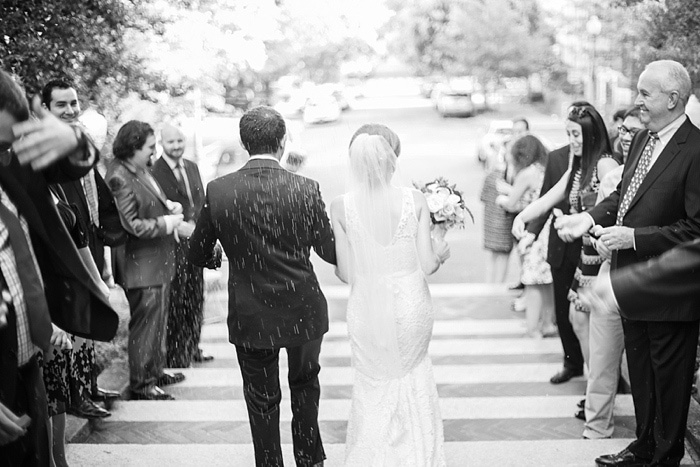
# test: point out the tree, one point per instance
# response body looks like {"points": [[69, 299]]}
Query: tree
{"points": [[493, 39], [45, 39]]}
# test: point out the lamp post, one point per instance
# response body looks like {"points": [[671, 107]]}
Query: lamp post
{"points": [[593, 27]]}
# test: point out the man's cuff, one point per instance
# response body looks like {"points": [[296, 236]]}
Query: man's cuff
{"points": [[634, 241], [86, 153], [590, 218], [169, 224]]}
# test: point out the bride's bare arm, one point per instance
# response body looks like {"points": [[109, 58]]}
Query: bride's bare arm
{"points": [[430, 259], [342, 247]]}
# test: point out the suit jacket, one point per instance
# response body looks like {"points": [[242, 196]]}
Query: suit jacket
{"points": [[671, 277], [148, 257], [168, 182], [664, 212], [267, 220], [97, 236], [557, 250], [75, 302]]}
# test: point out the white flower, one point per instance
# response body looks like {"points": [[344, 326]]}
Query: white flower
{"points": [[448, 210], [454, 199], [434, 203]]}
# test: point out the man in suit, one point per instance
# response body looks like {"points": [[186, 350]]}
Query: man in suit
{"points": [[61, 99], [563, 259], [655, 207], [181, 182], [148, 263], [267, 220], [52, 284]]}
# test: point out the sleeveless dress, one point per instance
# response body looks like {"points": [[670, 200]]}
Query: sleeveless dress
{"points": [[395, 415]]}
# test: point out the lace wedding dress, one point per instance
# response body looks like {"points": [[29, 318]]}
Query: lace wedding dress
{"points": [[395, 416]]}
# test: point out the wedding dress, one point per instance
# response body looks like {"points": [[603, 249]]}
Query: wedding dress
{"points": [[395, 415]]}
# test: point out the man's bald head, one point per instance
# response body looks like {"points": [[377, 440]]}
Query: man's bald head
{"points": [[173, 141]]}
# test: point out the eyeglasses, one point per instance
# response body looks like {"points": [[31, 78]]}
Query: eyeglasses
{"points": [[623, 130]]}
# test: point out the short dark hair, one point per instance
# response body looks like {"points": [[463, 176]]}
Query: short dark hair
{"points": [[524, 120], [619, 114], [633, 112], [262, 130], [12, 98], [130, 138], [380, 130], [48, 88]]}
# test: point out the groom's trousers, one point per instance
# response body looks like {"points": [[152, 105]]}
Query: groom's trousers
{"points": [[261, 387]]}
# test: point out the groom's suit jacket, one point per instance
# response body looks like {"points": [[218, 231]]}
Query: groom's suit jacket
{"points": [[665, 212], [267, 220]]}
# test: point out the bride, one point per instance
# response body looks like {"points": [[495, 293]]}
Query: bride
{"points": [[384, 251]]}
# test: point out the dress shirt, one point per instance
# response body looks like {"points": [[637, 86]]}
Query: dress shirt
{"points": [[175, 166], [25, 347], [264, 157]]}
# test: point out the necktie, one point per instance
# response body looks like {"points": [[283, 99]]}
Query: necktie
{"points": [[38, 316], [91, 196], [180, 175], [637, 178]]}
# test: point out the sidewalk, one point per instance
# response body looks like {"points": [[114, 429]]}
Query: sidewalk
{"points": [[497, 404]]}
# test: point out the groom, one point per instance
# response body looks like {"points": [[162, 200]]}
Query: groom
{"points": [[267, 220]]}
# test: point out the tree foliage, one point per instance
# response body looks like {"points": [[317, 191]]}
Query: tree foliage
{"points": [[489, 39]]}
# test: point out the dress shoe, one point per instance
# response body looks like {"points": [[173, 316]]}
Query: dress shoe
{"points": [[580, 414], [200, 357], [170, 378], [101, 395], [154, 394], [564, 375], [88, 410], [581, 404], [624, 458]]}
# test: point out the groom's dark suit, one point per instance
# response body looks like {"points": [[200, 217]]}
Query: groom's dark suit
{"points": [[267, 220], [660, 338]]}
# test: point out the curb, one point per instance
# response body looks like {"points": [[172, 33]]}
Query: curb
{"points": [[115, 378]]}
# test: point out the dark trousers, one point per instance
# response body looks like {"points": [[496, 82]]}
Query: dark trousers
{"points": [[261, 386], [661, 358], [561, 280], [148, 307], [32, 449], [186, 311]]}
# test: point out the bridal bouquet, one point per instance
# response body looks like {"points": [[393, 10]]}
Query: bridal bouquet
{"points": [[446, 204]]}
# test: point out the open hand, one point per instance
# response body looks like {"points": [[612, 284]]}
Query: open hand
{"points": [[572, 226], [518, 229], [10, 429]]}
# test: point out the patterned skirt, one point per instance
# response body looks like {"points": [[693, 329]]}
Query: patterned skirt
{"points": [[587, 270]]}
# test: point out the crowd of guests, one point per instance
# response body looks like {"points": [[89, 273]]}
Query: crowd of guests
{"points": [[607, 200], [82, 221]]}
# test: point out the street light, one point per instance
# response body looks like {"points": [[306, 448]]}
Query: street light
{"points": [[593, 27]]}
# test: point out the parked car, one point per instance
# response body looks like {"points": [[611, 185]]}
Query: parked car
{"points": [[498, 133], [321, 109], [454, 103]]}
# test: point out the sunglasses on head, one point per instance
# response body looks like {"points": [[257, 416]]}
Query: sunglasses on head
{"points": [[578, 111]]}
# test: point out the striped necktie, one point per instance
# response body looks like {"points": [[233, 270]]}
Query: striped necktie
{"points": [[639, 173]]}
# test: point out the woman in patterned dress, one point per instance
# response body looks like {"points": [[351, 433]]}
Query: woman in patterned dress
{"points": [[528, 157]]}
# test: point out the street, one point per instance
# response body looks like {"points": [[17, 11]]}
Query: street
{"points": [[431, 146]]}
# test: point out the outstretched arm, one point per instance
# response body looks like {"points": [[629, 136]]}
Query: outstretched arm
{"points": [[540, 206]]}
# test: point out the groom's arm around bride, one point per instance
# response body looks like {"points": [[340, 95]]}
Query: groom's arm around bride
{"points": [[267, 220]]}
